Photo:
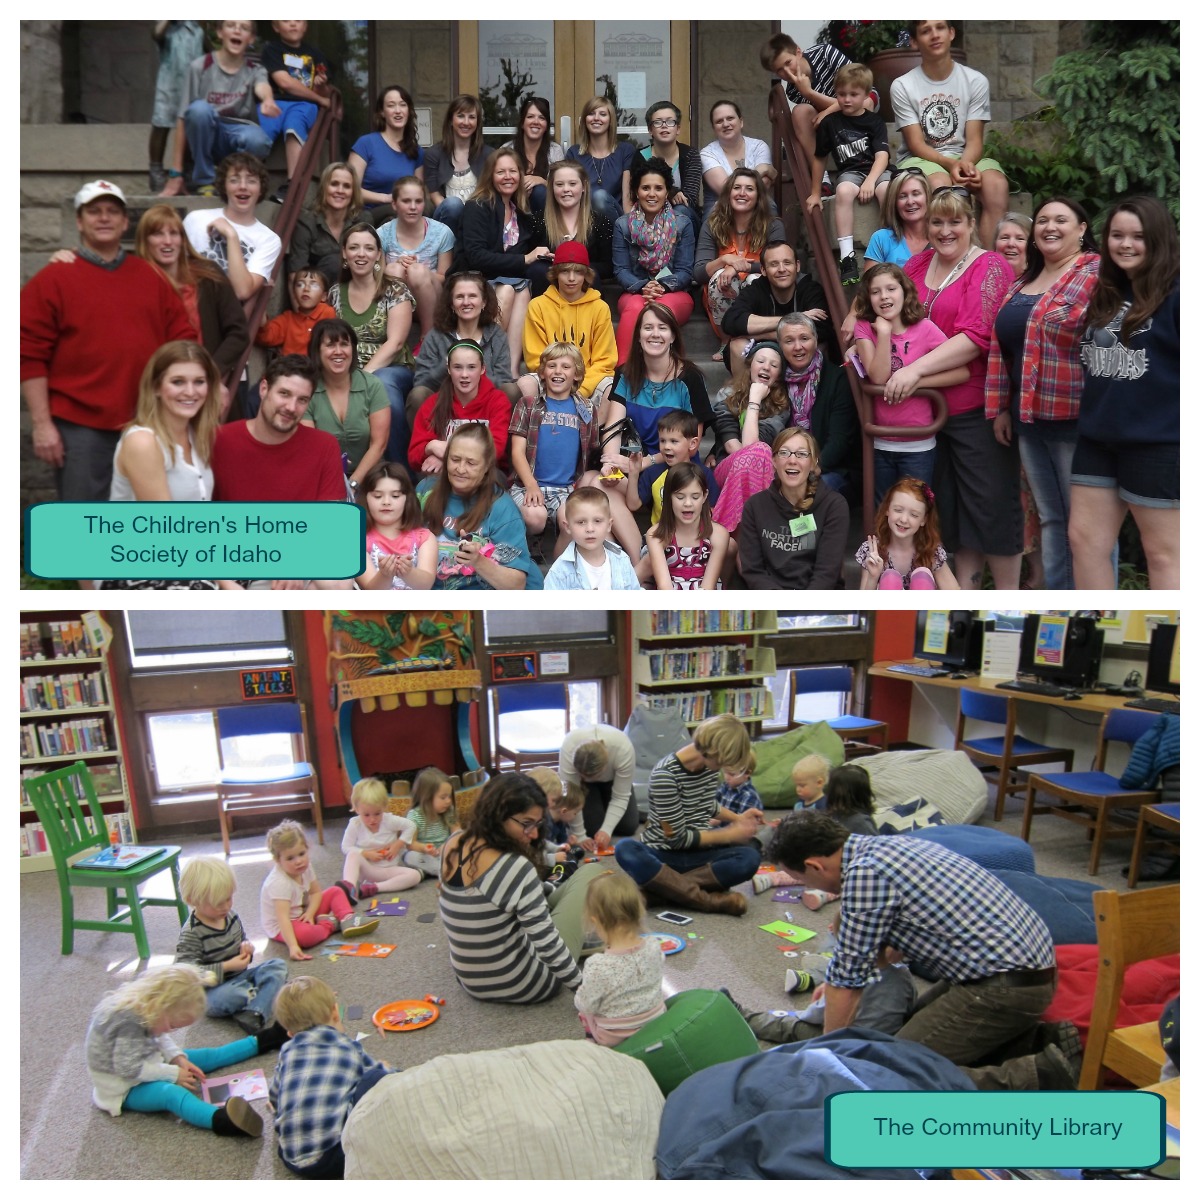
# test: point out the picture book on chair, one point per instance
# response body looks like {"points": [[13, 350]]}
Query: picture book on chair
{"points": [[119, 858]]}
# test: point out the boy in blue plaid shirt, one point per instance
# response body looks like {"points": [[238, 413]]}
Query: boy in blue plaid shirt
{"points": [[321, 1075]]}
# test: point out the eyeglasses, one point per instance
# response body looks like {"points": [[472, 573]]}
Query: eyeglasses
{"points": [[664, 123], [954, 189], [801, 454], [908, 171], [525, 827]]}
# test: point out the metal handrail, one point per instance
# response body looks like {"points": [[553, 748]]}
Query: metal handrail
{"points": [[862, 398], [785, 144], [324, 135]]}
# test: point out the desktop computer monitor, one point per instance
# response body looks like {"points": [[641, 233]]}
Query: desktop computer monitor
{"points": [[952, 639], [1062, 650], [1162, 671]]}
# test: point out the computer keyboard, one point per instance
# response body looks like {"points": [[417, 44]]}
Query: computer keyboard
{"points": [[1031, 688], [1158, 706], [917, 669]]}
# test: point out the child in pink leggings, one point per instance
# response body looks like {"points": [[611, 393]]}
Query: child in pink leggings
{"points": [[295, 911], [906, 550]]}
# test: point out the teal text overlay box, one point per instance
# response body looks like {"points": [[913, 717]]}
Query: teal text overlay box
{"points": [[995, 1129], [141, 540]]}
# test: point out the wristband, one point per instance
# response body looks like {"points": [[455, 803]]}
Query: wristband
{"points": [[753, 407], [174, 174]]}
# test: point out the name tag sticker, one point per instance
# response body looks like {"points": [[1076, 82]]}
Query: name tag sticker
{"points": [[802, 525]]}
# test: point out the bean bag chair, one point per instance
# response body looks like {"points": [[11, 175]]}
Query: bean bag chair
{"points": [[1064, 904], [914, 814], [947, 778], [655, 733], [777, 756], [763, 1117], [698, 1029], [552, 1110], [991, 848], [1148, 985]]}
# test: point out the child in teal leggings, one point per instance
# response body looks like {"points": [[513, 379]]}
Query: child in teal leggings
{"points": [[136, 1066]]}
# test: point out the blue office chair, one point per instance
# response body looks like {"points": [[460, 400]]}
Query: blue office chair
{"points": [[1089, 797], [1161, 816], [850, 728], [1007, 752], [525, 739], [270, 789]]}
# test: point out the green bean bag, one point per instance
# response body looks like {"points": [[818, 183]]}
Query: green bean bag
{"points": [[778, 755], [698, 1029]]}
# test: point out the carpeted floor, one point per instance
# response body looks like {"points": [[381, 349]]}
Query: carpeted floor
{"points": [[64, 1137]]}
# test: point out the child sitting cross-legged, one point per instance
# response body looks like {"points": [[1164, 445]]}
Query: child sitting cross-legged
{"points": [[294, 909], [214, 940], [622, 988], [374, 844], [135, 1065], [686, 548], [434, 820], [552, 433], [592, 562], [322, 1073], [906, 552], [809, 777], [292, 330]]}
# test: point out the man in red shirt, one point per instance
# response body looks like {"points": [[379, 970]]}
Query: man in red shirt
{"points": [[272, 456], [88, 329]]}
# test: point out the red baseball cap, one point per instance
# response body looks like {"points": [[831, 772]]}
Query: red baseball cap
{"points": [[571, 252]]}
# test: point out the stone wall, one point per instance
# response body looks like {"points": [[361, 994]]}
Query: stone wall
{"points": [[727, 69], [41, 72], [418, 54]]}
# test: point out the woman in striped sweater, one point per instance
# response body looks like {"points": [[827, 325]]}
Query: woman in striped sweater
{"points": [[508, 942]]}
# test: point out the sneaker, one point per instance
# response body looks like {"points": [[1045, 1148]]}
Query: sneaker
{"points": [[367, 889], [158, 178], [849, 270], [796, 981], [1054, 1072], [826, 186], [330, 920], [250, 1020], [348, 888], [814, 899], [237, 1119], [357, 928], [272, 1038], [279, 195], [206, 189]]}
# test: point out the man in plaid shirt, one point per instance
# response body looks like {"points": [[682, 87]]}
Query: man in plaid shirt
{"points": [[320, 1076], [989, 951]]}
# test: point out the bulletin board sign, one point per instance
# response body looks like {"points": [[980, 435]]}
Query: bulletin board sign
{"points": [[509, 668], [278, 683]]}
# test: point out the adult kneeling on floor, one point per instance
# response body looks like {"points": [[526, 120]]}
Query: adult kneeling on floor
{"points": [[682, 856]]}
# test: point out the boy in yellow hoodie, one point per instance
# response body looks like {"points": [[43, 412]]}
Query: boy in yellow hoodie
{"points": [[571, 310]]}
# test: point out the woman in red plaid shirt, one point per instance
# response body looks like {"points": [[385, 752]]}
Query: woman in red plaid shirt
{"points": [[1035, 376]]}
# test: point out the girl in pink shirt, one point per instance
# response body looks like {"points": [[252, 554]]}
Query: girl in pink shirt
{"points": [[401, 552]]}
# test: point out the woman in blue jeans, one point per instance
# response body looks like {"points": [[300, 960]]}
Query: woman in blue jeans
{"points": [[683, 856]]}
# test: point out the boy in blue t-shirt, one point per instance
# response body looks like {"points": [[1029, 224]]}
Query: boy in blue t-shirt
{"points": [[299, 75], [551, 435]]}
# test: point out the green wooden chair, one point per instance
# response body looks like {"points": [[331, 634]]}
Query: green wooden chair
{"points": [[63, 799]]}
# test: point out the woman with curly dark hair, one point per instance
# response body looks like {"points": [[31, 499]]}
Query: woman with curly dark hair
{"points": [[508, 943]]}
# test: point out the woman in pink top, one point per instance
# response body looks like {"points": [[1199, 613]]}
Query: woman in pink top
{"points": [[977, 479]]}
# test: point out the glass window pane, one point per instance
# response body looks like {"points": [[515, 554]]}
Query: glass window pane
{"points": [[516, 60], [779, 689], [633, 67], [585, 703], [183, 749], [820, 620]]}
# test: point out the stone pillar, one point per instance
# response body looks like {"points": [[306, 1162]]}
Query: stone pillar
{"points": [[41, 72]]}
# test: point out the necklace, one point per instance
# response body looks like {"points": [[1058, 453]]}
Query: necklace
{"points": [[592, 160], [958, 266]]}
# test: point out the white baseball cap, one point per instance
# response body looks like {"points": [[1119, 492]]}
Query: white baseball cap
{"points": [[96, 189]]}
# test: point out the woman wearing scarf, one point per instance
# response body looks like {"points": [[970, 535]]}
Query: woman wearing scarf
{"points": [[653, 250], [819, 395]]}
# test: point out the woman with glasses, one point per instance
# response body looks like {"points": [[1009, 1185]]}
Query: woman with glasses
{"points": [[977, 479], [534, 142], [1035, 375], [509, 942], [664, 120], [793, 535], [692, 849]]}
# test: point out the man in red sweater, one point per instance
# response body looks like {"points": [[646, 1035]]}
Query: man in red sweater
{"points": [[272, 456], [88, 329]]}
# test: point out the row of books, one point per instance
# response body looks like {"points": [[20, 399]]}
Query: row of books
{"points": [[78, 689], [81, 735], [107, 779], [33, 834], [707, 621], [56, 639], [745, 703], [702, 662]]}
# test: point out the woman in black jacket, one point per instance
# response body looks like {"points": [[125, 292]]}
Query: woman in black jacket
{"points": [[501, 240]]}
